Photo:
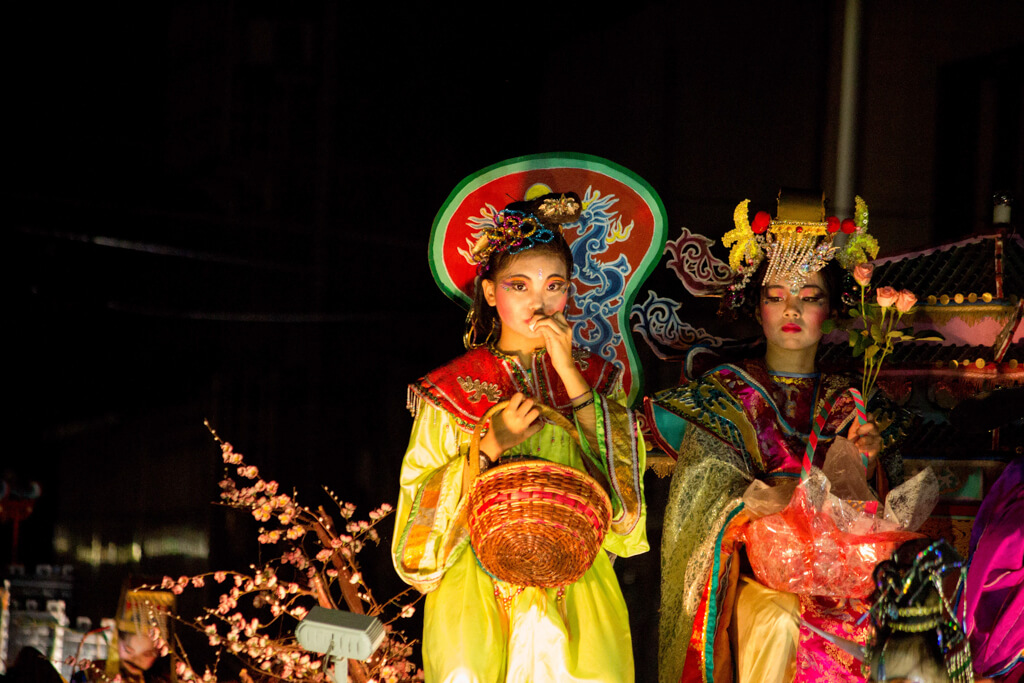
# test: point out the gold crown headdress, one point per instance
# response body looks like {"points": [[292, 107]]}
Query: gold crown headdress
{"points": [[797, 242], [144, 609], [140, 611]]}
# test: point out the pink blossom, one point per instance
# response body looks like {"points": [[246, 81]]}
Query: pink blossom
{"points": [[198, 581], [905, 300], [886, 296], [229, 455], [248, 471], [262, 511]]}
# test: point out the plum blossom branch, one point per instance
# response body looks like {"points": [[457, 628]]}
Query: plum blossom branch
{"points": [[314, 562]]}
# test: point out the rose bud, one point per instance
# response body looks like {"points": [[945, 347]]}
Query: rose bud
{"points": [[848, 226], [862, 273], [833, 224], [886, 296]]}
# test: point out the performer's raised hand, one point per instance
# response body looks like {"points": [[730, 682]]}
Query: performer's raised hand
{"points": [[513, 425]]}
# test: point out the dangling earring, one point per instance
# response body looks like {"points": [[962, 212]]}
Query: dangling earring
{"points": [[467, 335], [494, 334]]}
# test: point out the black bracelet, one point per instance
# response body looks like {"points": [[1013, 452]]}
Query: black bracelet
{"points": [[583, 405], [485, 462]]}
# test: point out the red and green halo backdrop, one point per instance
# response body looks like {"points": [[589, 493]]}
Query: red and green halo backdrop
{"points": [[616, 243]]}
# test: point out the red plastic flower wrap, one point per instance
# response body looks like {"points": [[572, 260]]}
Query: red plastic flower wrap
{"points": [[822, 545]]}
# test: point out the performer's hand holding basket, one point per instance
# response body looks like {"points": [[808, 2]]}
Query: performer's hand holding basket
{"points": [[535, 522]]}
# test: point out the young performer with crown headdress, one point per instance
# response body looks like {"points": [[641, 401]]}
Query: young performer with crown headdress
{"points": [[738, 422], [138, 651], [477, 627]]}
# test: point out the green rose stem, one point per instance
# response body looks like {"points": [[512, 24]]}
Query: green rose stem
{"points": [[873, 366]]}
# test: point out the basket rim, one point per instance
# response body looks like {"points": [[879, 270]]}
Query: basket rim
{"points": [[540, 463]]}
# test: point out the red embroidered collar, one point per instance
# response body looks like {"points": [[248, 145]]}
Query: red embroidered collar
{"points": [[469, 385]]}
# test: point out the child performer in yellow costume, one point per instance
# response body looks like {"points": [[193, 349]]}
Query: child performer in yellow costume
{"points": [[477, 628]]}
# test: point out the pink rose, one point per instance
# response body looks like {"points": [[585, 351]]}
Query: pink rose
{"points": [[886, 296], [905, 300], [862, 273]]}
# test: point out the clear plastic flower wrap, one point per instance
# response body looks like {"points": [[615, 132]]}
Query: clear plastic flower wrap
{"points": [[819, 544]]}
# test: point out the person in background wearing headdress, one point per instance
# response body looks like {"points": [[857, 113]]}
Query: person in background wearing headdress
{"points": [[478, 628], [917, 634], [138, 651], [739, 422]]}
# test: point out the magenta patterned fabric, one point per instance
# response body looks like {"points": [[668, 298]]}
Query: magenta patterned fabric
{"points": [[820, 660], [994, 594]]}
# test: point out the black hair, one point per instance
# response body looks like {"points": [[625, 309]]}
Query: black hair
{"points": [[485, 325]]}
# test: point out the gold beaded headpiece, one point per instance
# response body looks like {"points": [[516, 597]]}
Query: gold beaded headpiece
{"points": [[523, 225], [799, 241]]}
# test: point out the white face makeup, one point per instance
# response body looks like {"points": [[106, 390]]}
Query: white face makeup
{"points": [[794, 321], [533, 284]]}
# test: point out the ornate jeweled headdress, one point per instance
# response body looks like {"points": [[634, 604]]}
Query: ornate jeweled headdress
{"points": [[523, 225], [799, 241]]}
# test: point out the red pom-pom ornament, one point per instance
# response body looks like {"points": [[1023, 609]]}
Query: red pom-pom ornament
{"points": [[849, 227], [833, 224], [761, 221]]}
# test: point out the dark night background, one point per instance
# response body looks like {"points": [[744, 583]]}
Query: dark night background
{"points": [[221, 211]]}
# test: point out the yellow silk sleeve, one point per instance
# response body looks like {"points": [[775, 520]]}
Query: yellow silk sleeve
{"points": [[430, 523], [623, 451]]}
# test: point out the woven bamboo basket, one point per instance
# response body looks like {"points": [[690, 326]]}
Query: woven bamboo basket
{"points": [[534, 522]]}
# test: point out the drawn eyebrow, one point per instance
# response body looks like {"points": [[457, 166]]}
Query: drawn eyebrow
{"points": [[527, 276]]}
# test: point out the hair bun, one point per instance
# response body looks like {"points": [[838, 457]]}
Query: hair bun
{"points": [[556, 208]]}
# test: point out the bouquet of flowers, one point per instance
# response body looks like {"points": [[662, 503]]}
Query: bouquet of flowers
{"points": [[880, 324]]}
